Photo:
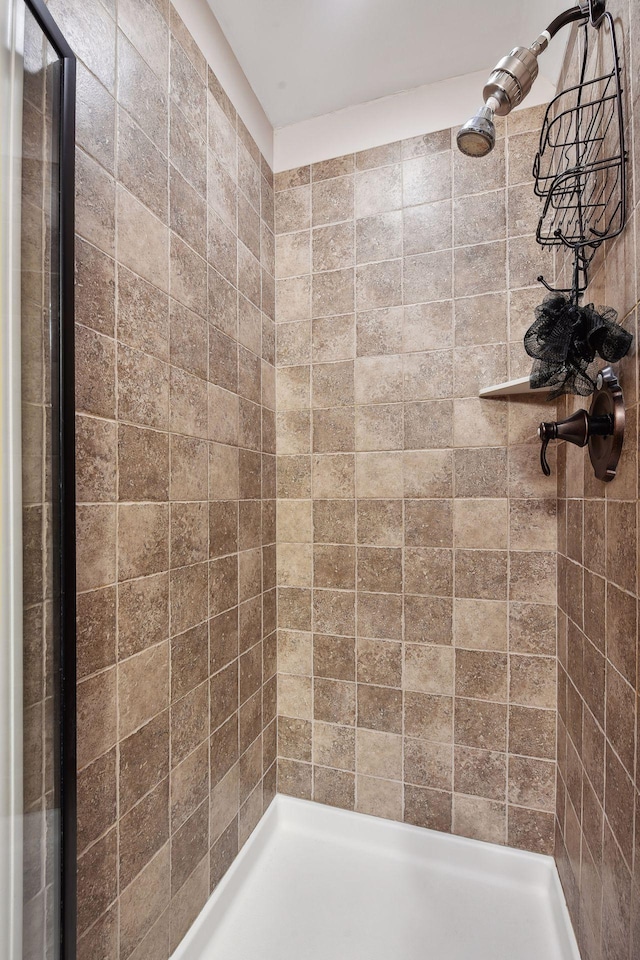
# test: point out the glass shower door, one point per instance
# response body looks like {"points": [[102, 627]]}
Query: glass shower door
{"points": [[37, 719]]}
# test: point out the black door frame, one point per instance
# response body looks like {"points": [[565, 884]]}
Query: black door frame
{"points": [[63, 479]]}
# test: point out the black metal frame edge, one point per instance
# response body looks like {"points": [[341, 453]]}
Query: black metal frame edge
{"points": [[65, 389]]}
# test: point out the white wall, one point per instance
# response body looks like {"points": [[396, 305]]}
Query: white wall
{"points": [[408, 114]]}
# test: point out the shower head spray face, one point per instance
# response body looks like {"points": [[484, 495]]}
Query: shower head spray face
{"points": [[477, 137]]}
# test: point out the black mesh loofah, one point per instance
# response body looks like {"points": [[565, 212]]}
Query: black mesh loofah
{"points": [[565, 340]]}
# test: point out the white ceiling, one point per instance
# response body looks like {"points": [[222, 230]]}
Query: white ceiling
{"points": [[307, 58]]}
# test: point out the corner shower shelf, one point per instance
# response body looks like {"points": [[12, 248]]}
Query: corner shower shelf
{"points": [[510, 388]]}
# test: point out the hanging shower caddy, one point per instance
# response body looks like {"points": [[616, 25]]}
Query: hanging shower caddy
{"points": [[579, 169]]}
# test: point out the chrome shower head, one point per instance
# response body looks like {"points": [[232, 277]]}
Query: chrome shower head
{"points": [[508, 85], [506, 88], [477, 137]]}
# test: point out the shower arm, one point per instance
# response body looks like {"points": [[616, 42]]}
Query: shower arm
{"points": [[513, 78], [593, 10]]}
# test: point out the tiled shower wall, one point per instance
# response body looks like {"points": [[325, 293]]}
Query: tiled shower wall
{"points": [[416, 533], [597, 850], [176, 478]]}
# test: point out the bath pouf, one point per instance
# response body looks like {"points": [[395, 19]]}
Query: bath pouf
{"points": [[565, 341]]}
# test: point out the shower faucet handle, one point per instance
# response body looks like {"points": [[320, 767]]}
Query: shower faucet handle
{"points": [[602, 428], [574, 429], [577, 429]]}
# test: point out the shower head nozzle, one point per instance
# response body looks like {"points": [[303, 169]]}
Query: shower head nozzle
{"points": [[477, 137]]}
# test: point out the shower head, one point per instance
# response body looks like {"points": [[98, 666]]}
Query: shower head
{"points": [[477, 137], [508, 85]]}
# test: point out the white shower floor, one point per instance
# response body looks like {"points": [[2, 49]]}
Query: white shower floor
{"points": [[316, 883]]}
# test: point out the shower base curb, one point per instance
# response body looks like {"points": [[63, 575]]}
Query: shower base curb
{"points": [[315, 882]]}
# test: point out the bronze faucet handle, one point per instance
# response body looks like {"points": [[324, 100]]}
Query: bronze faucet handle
{"points": [[581, 428], [574, 429], [545, 437], [602, 428]]}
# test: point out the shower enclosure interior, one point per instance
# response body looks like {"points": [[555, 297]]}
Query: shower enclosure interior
{"points": [[357, 670]]}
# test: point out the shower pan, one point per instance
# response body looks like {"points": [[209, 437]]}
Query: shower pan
{"points": [[318, 882]]}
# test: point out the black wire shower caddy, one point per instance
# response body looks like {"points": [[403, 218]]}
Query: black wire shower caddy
{"points": [[580, 168]]}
